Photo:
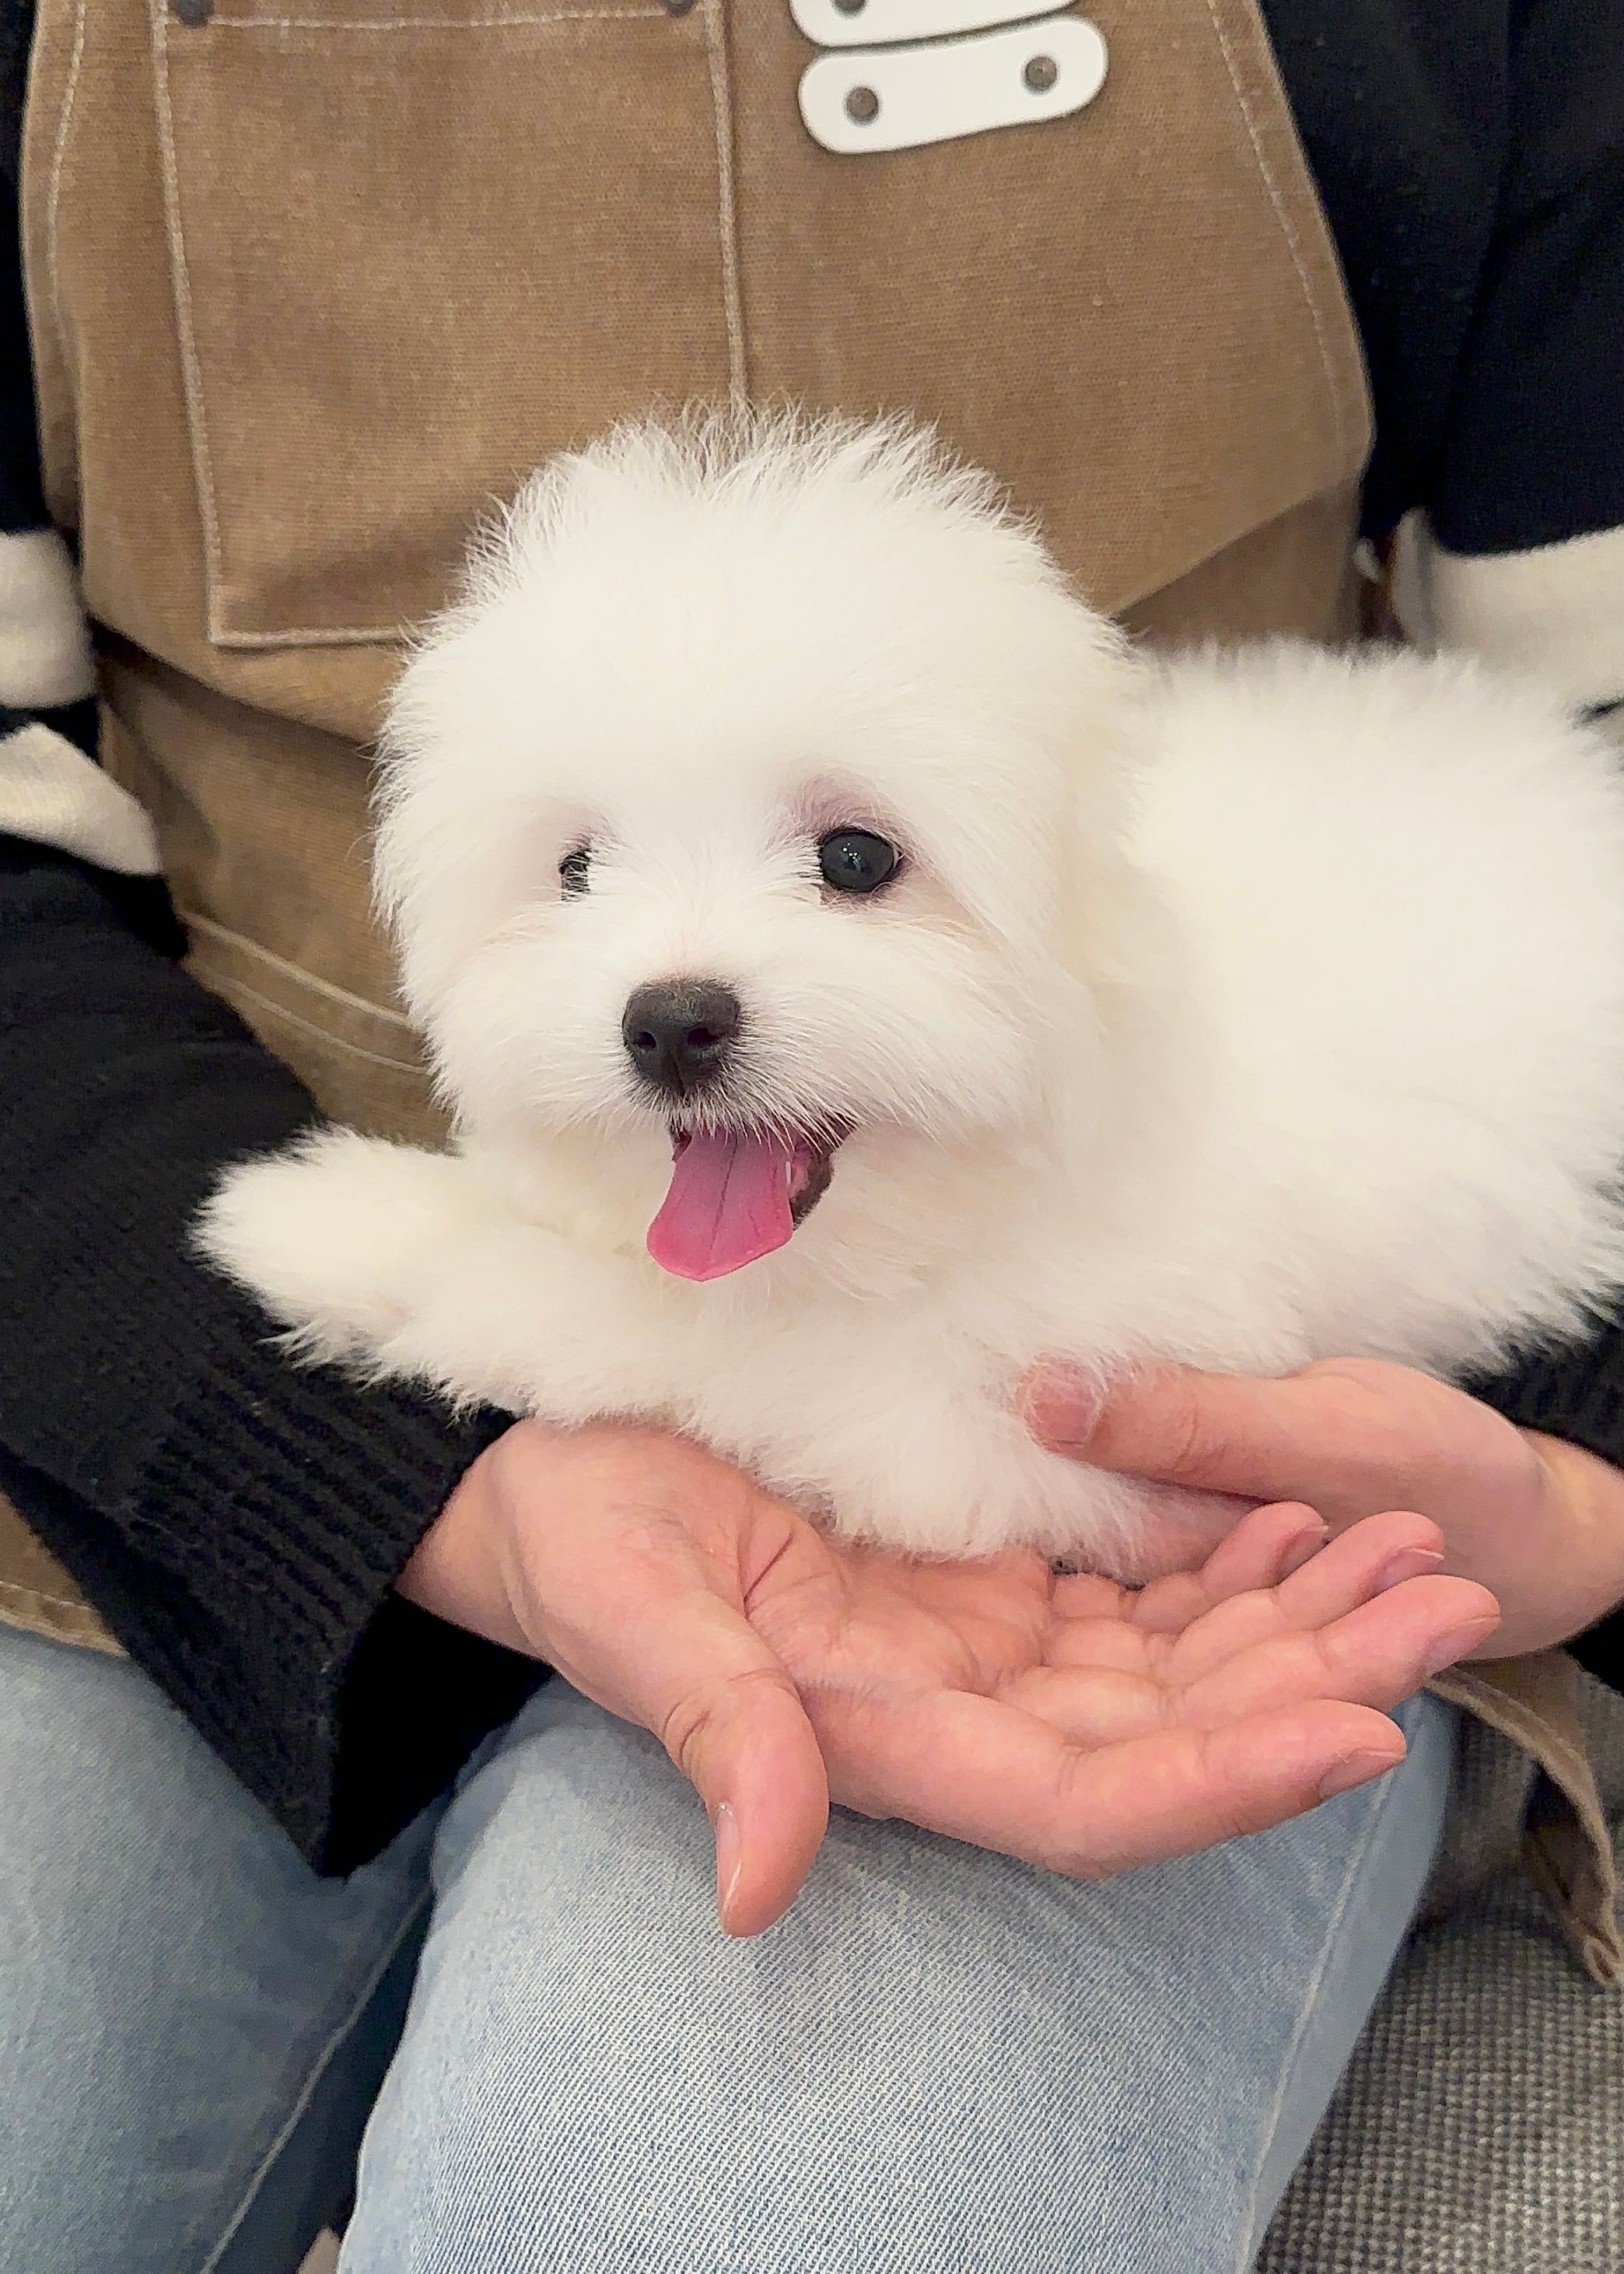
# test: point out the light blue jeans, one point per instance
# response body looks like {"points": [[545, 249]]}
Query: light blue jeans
{"points": [[942, 2063]]}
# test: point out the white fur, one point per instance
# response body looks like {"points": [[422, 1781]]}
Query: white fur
{"points": [[1241, 1010]]}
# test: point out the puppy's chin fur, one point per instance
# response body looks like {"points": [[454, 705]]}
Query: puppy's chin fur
{"points": [[1242, 1010]]}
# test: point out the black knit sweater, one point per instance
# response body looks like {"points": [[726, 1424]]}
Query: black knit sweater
{"points": [[240, 1522]]}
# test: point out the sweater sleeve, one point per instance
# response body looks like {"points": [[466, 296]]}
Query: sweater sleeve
{"points": [[1518, 553], [1470, 157], [237, 1521]]}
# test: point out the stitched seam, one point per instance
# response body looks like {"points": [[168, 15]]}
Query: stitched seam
{"points": [[14, 1592], [318, 2069], [733, 295], [1333, 1932], [291, 970], [59, 155], [232, 988], [25, 1610], [431, 23], [1288, 229], [318, 636], [202, 467]]}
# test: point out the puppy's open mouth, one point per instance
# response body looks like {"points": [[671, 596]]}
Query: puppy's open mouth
{"points": [[735, 1195]]}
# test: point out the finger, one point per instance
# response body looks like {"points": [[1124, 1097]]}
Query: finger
{"points": [[1379, 1654], [1188, 1789], [1375, 1554], [1176, 1530], [980, 1770], [1264, 1549], [1297, 1439], [679, 1658], [1085, 1595], [743, 1740], [1261, 1545], [1266, 1546]]}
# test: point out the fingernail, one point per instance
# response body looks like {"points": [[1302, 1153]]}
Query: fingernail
{"points": [[729, 1860], [1303, 1550], [1409, 1564], [1458, 1644], [1061, 1401], [1356, 1768]]}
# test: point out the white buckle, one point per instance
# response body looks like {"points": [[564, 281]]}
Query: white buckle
{"points": [[886, 23], [870, 99]]}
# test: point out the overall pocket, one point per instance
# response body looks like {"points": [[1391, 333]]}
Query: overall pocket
{"points": [[417, 245]]}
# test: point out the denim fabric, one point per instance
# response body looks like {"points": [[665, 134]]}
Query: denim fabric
{"points": [[942, 2061], [192, 2023]]}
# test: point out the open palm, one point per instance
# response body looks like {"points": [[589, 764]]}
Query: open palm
{"points": [[1089, 1727], [1066, 1721]]}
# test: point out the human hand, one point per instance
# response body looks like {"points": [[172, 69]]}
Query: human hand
{"points": [[1080, 1725], [1539, 1521]]}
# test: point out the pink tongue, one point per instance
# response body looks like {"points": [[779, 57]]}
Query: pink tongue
{"points": [[728, 1204]]}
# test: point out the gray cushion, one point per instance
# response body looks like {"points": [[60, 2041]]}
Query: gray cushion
{"points": [[1480, 2127]]}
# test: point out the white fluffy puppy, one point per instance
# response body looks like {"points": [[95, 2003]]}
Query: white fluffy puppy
{"points": [[855, 976]]}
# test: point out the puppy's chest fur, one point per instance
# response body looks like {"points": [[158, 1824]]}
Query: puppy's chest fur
{"points": [[885, 1416]]}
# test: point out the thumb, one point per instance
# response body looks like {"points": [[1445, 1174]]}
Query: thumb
{"points": [[672, 1653], [735, 1726], [1214, 1433]]}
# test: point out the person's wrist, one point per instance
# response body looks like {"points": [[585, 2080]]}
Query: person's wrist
{"points": [[1584, 1536], [459, 1568]]}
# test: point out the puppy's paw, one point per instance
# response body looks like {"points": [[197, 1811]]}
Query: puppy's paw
{"points": [[336, 1236]]}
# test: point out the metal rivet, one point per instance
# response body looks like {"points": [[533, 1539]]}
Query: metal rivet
{"points": [[192, 13], [850, 7], [1040, 73], [862, 106]]}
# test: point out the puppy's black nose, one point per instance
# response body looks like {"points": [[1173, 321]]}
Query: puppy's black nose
{"points": [[678, 1034]]}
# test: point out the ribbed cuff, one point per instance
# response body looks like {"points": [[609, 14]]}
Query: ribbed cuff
{"points": [[288, 1501], [252, 1580]]}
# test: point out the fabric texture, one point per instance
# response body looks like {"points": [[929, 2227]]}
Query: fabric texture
{"points": [[1556, 610], [192, 2023], [56, 794], [1470, 154], [941, 2060], [1476, 2129], [238, 1522], [240, 2110]]}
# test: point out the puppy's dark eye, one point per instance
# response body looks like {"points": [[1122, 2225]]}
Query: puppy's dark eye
{"points": [[856, 861], [576, 872]]}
